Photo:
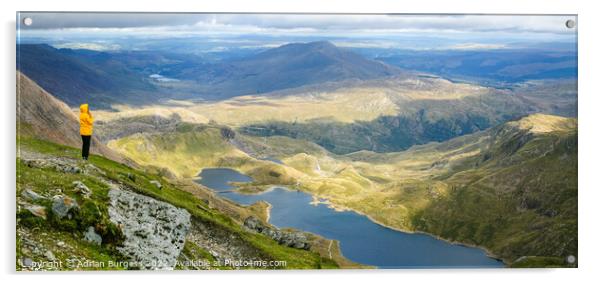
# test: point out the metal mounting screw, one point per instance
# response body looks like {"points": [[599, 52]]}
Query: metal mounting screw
{"points": [[27, 21], [570, 24]]}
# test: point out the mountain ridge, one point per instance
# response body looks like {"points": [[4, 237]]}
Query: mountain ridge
{"points": [[82, 76], [104, 78], [41, 115], [288, 66]]}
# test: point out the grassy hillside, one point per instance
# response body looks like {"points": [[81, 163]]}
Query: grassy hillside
{"points": [[42, 115], [511, 189], [61, 239], [394, 114], [527, 181], [184, 150], [194, 147], [382, 115]]}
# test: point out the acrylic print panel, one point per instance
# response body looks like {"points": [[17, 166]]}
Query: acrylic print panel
{"points": [[295, 141]]}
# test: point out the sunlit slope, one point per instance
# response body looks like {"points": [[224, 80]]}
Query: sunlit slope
{"points": [[342, 102], [191, 148], [488, 189], [184, 152], [518, 197], [511, 189], [381, 115], [347, 102]]}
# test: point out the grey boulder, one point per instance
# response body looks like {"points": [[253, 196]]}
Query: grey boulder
{"points": [[63, 205], [31, 195], [81, 189], [36, 210], [92, 237]]}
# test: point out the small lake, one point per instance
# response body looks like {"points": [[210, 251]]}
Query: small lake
{"points": [[361, 240]]}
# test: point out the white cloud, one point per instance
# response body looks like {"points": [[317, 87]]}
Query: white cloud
{"points": [[461, 23], [374, 31], [88, 45], [476, 46], [300, 22]]}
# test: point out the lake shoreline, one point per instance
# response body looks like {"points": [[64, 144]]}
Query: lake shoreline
{"points": [[316, 200], [236, 186], [488, 253]]}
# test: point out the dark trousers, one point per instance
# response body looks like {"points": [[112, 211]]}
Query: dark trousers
{"points": [[86, 146]]}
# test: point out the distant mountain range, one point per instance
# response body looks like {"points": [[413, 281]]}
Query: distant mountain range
{"points": [[288, 66], [493, 67], [77, 76], [143, 77]]}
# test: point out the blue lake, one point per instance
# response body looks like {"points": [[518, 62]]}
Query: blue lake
{"points": [[361, 240]]}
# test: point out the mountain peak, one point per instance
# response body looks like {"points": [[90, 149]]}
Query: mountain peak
{"points": [[311, 44], [305, 48], [322, 43], [296, 64]]}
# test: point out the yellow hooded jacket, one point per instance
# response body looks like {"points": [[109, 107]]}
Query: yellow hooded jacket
{"points": [[85, 120]]}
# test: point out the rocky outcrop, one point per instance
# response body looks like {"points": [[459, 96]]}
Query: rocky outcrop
{"points": [[59, 164], [296, 240], [155, 231], [54, 164], [62, 206]]}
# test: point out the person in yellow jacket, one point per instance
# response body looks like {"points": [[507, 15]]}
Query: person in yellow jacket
{"points": [[86, 124]]}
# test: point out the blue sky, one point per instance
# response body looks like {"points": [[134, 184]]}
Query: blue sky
{"points": [[122, 31]]}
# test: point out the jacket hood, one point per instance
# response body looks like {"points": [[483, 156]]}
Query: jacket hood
{"points": [[83, 108]]}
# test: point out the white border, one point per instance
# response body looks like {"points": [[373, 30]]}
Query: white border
{"points": [[590, 138]]}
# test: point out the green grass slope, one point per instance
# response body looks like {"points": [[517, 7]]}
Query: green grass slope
{"points": [[63, 237], [518, 197]]}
